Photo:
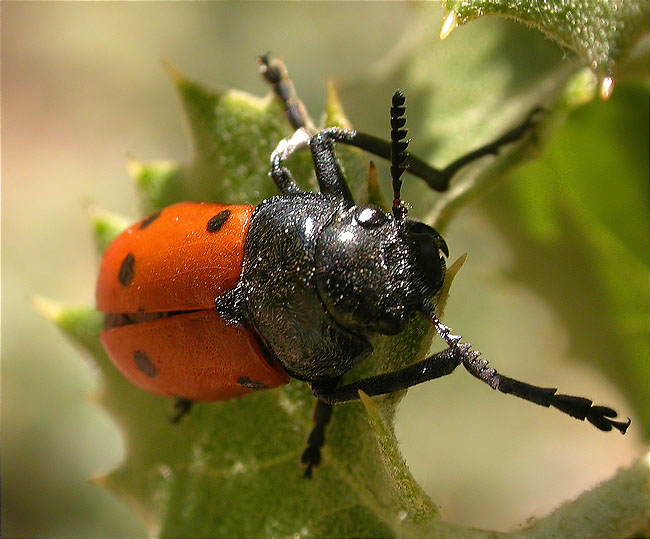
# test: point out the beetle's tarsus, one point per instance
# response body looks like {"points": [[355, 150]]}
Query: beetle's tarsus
{"points": [[311, 456], [181, 408], [275, 73]]}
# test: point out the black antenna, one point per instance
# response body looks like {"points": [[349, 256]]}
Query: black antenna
{"points": [[398, 153]]}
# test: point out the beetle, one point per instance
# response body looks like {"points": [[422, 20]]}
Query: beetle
{"points": [[207, 302]]}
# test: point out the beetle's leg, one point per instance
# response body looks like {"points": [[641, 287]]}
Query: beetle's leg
{"points": [[275, 73], [446, 361], [578, 407], [229, 305], [311, 456], [181, 408], [435, 366], [328, 173], [437, 179], [279, 173]]}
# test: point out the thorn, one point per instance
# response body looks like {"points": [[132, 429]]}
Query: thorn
{"points": [[46, 308], [334, 106], [134, 167], [449, 25], [605, 88], [172, 71]]}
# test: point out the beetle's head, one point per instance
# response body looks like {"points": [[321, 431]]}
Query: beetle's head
{"points": [[373, 270]]}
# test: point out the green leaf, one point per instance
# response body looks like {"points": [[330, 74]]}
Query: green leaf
{"points": [[600, 32], [158, 183], [106, 227], [231, 468], [619, 507], [202, 477]]}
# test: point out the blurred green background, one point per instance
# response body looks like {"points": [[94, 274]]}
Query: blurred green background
{"points": [[83, 86]]}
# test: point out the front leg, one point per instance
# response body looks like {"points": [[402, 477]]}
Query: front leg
{"points": [[581, 408], [435, 366], [443, 363], [275, 73], [329, 393]]}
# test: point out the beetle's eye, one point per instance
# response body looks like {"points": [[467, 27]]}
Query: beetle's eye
{"points": [[370, 217]]}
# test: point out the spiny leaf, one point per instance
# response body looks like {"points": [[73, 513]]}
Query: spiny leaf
{"points": [[619, 507], [601, 32], [469, 91], [106, 227], [231, 468], [416, 504], [159, 184], [205, 476]]}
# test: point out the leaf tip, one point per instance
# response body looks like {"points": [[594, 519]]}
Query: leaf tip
{"points": [[133, 166], [450, 274], [47, 308], [99, 481], [453, 269], [335, 113], [365, 399], [449, 25], [173, 71], [371, 411]]}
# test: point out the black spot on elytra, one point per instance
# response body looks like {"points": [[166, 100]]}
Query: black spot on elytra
{"points": [[144, 364], [246, 382], [215, 223], [146, 222], [125, 276]]}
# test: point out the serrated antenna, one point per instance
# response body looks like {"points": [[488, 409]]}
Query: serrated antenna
{"points": [[398, 153]]}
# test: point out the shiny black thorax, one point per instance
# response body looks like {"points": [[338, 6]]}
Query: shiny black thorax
{"points": [[319, 278]]}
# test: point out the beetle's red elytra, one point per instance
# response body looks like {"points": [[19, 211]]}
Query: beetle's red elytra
{"points": [[206, 301], [164, 273]]}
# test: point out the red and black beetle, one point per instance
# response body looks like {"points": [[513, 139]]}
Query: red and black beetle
{"points": [[294, 287]]}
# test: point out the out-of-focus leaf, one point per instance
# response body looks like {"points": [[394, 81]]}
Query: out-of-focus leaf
{"points": [[106, 227], [231, 469], [601, 32]]}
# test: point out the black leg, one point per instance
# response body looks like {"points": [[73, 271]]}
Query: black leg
{"points": [[445, 362], [435, 366], [328, 173], [275, 73], [181, 409], [280, 174], [331, 181], [330, 178], [578, 407], [311, 456], [437, 179]]}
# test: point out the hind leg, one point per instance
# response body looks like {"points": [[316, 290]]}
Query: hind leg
{"points": [[312, 454]]}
